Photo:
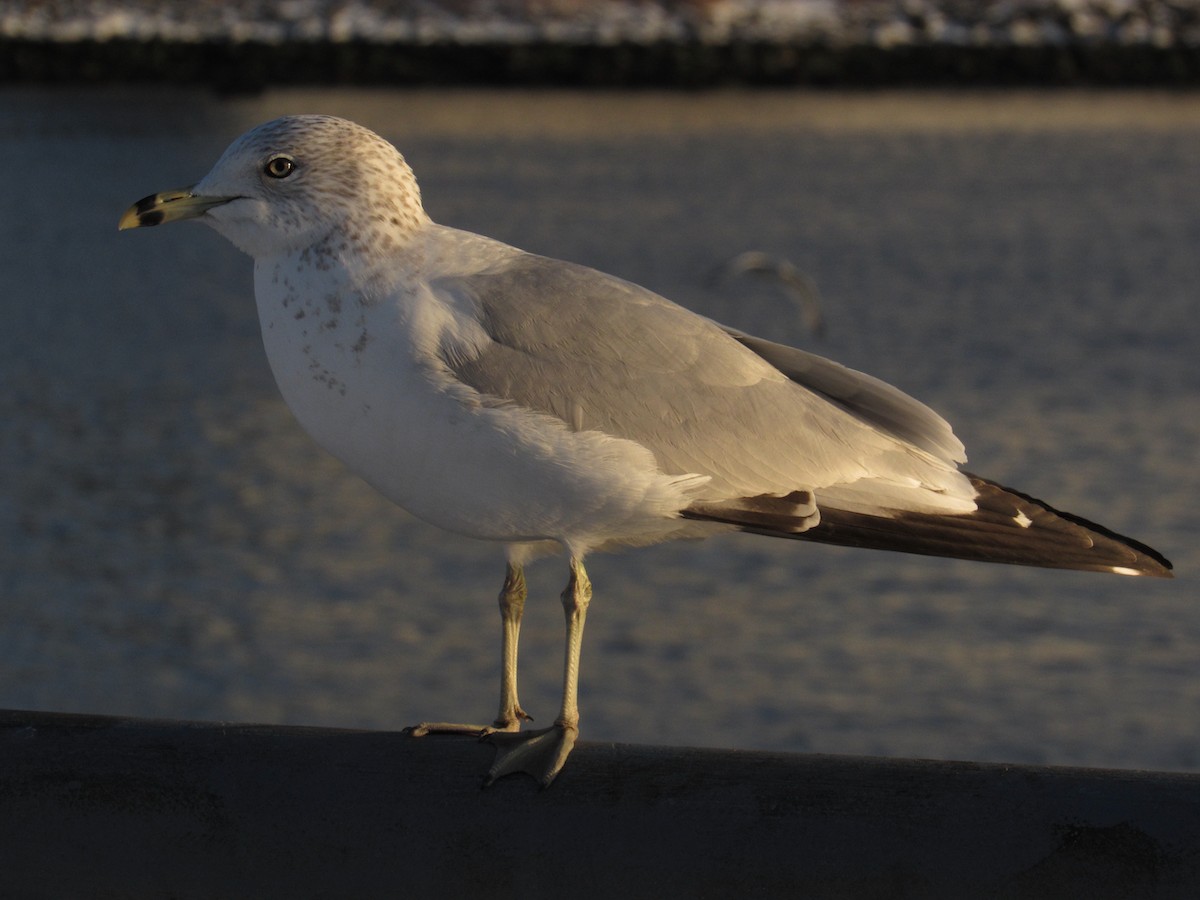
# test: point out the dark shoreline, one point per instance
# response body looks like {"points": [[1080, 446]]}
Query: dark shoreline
{"points": [[249, 66]]}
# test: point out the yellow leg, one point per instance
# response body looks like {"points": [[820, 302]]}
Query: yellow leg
{"points": [[543, 753], [512, 606]]}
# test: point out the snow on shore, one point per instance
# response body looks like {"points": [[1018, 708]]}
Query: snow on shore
{"points": [[1154, 23]]}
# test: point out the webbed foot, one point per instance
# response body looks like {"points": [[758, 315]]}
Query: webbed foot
{"points": [[540, 754], [425, 728], [509, 723]]}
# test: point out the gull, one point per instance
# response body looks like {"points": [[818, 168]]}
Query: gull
{"points": [[550, 407], [798, 287]]}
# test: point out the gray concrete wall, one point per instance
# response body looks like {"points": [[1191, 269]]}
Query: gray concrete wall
{"points": [[107, 807]]}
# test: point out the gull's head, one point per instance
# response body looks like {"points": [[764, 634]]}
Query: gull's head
{"points": [[295, 183]]}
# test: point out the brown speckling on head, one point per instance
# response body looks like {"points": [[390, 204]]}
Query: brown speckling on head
{"points": [[349, 191], [361, 344]]}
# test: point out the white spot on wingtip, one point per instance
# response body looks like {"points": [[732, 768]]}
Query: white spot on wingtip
{"points": [[1124, 570], [1023, 520]]}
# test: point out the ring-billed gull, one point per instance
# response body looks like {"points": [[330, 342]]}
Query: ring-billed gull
{"points": [[548, 406]]}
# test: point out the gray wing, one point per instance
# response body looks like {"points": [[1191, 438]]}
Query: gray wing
{"points": [[867, 397], [780, 431], [759, 418]]}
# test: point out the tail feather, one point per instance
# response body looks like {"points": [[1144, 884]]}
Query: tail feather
{"points": [[1007, 527]]}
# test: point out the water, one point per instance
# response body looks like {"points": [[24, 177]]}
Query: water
{"points": [[171, 544]]}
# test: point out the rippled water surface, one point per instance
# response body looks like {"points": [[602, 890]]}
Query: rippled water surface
{"points": [[171, 543]]}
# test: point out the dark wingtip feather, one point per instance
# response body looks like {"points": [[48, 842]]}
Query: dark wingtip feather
{"points": [[1117, 551], [1008, 527]]}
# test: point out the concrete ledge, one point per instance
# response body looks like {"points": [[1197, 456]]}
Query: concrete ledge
{"points": [[98, 806]]}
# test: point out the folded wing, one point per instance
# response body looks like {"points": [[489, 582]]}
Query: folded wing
{"points": [[794, 445]]}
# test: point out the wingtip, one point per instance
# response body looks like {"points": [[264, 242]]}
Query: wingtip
{"points": [[1007, 527], [1152, 568]]}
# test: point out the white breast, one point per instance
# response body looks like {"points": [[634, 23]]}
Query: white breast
{"points": [[363, 379]]}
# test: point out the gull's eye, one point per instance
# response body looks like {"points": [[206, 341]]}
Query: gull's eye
{"points": [[279, 166]]}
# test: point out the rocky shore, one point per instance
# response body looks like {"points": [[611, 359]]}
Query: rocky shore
{"points": [[604, 43]]}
